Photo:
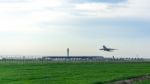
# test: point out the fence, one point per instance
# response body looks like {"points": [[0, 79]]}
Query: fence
{"points": [[53, 59]]}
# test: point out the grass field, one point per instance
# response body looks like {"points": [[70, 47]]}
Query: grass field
{"points": [[143, 82], [69, 73]]}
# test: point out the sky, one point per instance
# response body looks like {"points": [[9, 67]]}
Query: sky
{"points": [[49, 27]]}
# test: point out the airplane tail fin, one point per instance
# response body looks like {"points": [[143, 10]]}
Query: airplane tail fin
{"points": [[104, 47]]}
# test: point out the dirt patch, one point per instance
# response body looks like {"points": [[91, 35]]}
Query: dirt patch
{"points": [[131, 80]]}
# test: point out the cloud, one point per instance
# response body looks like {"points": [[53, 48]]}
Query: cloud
{"points": [[130, 8], [91, 7], [29, 15], [24, 17], [14, 1], [97, 1], [133, 9]]}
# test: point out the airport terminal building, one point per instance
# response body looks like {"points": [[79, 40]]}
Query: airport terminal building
{"points": [[73, 58]]}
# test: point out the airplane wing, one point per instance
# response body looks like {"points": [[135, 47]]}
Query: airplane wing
{"points": [[113, 49]]}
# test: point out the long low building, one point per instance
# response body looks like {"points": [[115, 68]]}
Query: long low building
{"points": [[73, 58]]}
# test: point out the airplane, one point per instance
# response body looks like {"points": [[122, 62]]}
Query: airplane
{"points": [[107, 49]]}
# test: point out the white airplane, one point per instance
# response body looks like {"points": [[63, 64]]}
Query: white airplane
{"points": [[107, 49]]}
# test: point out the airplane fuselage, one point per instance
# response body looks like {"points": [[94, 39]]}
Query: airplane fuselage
{"points": [[107, 49]]}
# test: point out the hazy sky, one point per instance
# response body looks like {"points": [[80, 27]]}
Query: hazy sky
{"points": [[49, 27]]}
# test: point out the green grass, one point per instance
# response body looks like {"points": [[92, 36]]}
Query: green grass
{"points": [[143, 82], [69, 73]]}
